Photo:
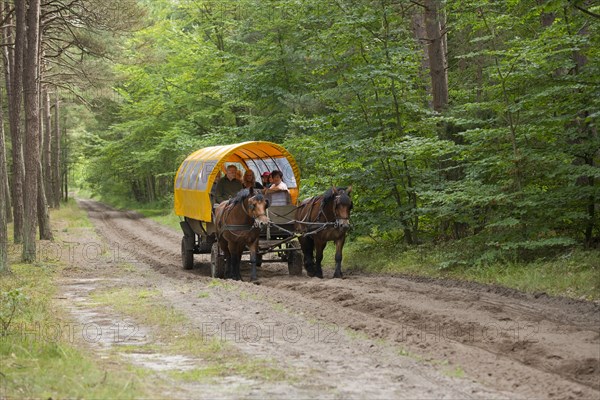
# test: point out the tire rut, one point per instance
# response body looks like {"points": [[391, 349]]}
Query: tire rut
{"points": [[500, 335], [503, 338]]}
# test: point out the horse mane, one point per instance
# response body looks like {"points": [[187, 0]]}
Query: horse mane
{"points": [[244, 194], [259, 196], [240, 196], [328, 196]]}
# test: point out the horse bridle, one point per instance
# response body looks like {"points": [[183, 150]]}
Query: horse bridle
{"points": [[251, 208], [247, 212], [337, 218], [336, 202]]}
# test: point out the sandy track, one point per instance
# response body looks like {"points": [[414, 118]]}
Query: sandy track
{"points": [[508, 344]]}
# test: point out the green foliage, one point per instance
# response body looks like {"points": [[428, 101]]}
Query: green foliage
{"points": [[510, 168], [528, 142]]}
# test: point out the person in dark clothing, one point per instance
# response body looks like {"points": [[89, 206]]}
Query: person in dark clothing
{"points": [[229, 185], [249, 180]]}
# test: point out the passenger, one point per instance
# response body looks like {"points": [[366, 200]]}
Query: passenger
{"points": [[229, 185], [249, 180], [266, 179], [278, 191]]}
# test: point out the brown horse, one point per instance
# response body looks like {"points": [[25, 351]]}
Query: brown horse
{"points": [[322, 219], [238, 224]]}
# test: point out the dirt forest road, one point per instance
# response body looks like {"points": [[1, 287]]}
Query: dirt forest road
{"points": [[367, 336]]}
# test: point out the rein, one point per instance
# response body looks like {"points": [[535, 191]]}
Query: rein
{"points": [[320, 226], [240, 227]]}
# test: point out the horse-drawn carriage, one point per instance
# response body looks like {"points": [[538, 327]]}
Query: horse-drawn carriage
{"points": [[206, 227]]}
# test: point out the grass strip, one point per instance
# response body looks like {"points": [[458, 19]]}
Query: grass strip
{"points": [[173, 330], [38, 356]]}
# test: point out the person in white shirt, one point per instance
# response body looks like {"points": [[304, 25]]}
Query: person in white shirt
{"points": [[278, 191]]}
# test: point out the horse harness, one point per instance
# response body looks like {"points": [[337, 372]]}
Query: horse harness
{"points": [[244, 227], [322, 225]]}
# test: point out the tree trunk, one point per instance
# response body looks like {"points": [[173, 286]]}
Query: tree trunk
{"points": [[44, 127], [32, 134], [4, 193], [3, 169], [7, 199], [546, 19], [4, 198], [47, 146], [437, 54], [151, 187], [420, 34], [65, 184], [56, 186], [591, 134], [15, 87], [42, 207], [3, 227], [591, 206]]}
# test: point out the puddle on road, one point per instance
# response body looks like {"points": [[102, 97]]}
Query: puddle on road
{"points": [[105, 332]]}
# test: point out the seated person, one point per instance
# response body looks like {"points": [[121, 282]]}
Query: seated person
{"points": [[249, 180], [228, 185], [266, 179], [278, 191]]}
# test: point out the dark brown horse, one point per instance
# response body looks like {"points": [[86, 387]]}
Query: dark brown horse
{"points": [[238, 223], [322, 219]]}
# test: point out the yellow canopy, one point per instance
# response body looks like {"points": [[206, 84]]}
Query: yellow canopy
{"points": [[198, 172]]}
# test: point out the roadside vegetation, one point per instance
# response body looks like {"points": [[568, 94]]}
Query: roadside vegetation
{"points": [[39, 358], [40, 355], [574, 274]]}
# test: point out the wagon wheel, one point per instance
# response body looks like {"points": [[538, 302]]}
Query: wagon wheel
{"points": [[295, 258], [217, 262], [187, 252]]}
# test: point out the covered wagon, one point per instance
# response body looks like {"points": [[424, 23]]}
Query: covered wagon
{"points": [[194, 199]]}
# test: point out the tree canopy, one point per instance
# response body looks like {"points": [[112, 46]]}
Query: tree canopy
{"points": [[508, 162]]}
